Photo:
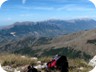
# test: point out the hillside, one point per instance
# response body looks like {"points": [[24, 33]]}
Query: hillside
{"points": [[81, 44], [84, 41]]}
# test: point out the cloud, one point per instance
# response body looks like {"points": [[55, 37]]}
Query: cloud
{"points": [[70, 7], [44, 8], [24, 1], [25, 15], [74, 7], [35, 8]]}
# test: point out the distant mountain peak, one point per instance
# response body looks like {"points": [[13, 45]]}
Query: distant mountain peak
{"points": [[82, 19], [50, 27]]}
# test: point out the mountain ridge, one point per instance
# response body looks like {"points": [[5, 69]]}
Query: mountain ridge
{"points": [[49, 27]]}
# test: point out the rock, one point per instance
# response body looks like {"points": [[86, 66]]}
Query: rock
{"points": [[38, 62], [81, 68], [16, 70], [40, 66], [93, 61], [34, 58], [1, 69], [93, 70], [23, 56]]}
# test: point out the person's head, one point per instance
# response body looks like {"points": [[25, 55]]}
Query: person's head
{"points": [[29, 67]]}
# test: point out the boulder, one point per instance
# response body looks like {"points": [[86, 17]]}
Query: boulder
{"points": [[93, 61]]}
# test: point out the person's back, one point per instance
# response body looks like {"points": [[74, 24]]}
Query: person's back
{"points": [[30, 70], [34, 69], [62, 63]]}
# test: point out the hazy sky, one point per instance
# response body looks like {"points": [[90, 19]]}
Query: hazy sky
{"points": [[37, 10]]}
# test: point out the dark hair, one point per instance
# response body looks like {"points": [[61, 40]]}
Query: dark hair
{"points": [[29, 67]]}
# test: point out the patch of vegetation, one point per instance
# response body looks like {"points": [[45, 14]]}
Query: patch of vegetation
{"points": [[45, 59], [78, 65], [15, 60], [69, 52], [92, 41], [26, 51], [42, 41]]}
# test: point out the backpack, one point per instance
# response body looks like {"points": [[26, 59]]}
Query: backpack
{"points": [[51, 64], [58, 62]]}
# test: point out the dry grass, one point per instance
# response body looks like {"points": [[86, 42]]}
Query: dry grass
{"points": [[75, 65], [45, 59], [15, 60], [78, 65]]}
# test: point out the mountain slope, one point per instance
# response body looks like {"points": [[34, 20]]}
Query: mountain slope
{"points": [[83, 41], [81, 44]]}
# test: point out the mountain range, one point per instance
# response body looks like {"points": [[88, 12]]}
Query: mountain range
{"points": [[69, 37], [48, 28]]}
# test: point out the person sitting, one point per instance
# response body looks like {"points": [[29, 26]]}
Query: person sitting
{"points": [[58, 62], [62, 63]]}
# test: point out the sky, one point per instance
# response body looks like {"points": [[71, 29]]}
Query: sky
{"points": [[39, 10]]}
